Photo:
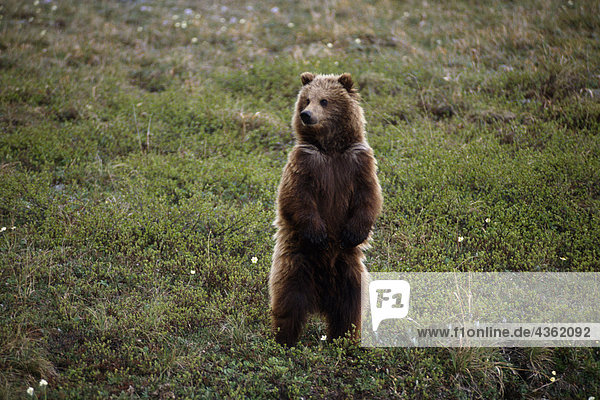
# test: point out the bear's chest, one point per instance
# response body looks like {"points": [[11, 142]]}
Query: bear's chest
{"points": [[333, 180], [334, 176]]}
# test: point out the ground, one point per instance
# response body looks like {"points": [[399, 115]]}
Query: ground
{"points": [[141, 143]]}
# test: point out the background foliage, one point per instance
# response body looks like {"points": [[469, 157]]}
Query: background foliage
{"points": [[141, 144]]}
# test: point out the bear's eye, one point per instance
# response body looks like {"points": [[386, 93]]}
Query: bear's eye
{"points": [[307, 101], [323, 103]]}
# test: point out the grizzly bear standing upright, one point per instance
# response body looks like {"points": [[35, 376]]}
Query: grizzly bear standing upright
{"points": [[328, 199]]}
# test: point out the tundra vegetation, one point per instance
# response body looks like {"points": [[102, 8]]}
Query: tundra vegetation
{"points": [[141, 144]]}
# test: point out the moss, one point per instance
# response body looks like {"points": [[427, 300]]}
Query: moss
{"points": [[135, 151]]}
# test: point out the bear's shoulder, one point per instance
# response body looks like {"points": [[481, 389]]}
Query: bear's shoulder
{"points": [[308, 153], [358, 148]]}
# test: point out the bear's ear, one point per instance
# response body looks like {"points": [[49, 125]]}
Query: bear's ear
{"points": [[346, 80], [307, 78]]}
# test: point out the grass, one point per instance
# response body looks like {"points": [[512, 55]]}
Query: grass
{"points": [[140, 141]]}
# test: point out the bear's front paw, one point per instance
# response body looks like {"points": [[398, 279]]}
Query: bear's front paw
{"points": [[352, 239], [315, 239]]}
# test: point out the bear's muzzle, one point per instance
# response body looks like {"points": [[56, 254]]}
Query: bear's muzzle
{"points": [[307, 118]]}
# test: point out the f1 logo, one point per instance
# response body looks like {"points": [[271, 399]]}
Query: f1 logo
{"points": [[389, 300]]}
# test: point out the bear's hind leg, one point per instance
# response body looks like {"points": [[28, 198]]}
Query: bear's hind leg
{"points": [[345, 318], [292, 296], [343, 311], [288, 316]]}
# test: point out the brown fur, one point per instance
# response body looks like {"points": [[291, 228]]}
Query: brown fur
{"points": [[328, 199]]}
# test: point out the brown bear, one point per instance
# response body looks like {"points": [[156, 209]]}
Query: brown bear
{"points": [[327, 202]]}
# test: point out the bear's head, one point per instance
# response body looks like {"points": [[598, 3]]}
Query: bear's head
{"points": [[328, 114]]}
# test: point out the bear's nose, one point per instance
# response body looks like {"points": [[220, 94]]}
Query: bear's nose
{"points": [[306, 117]]}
